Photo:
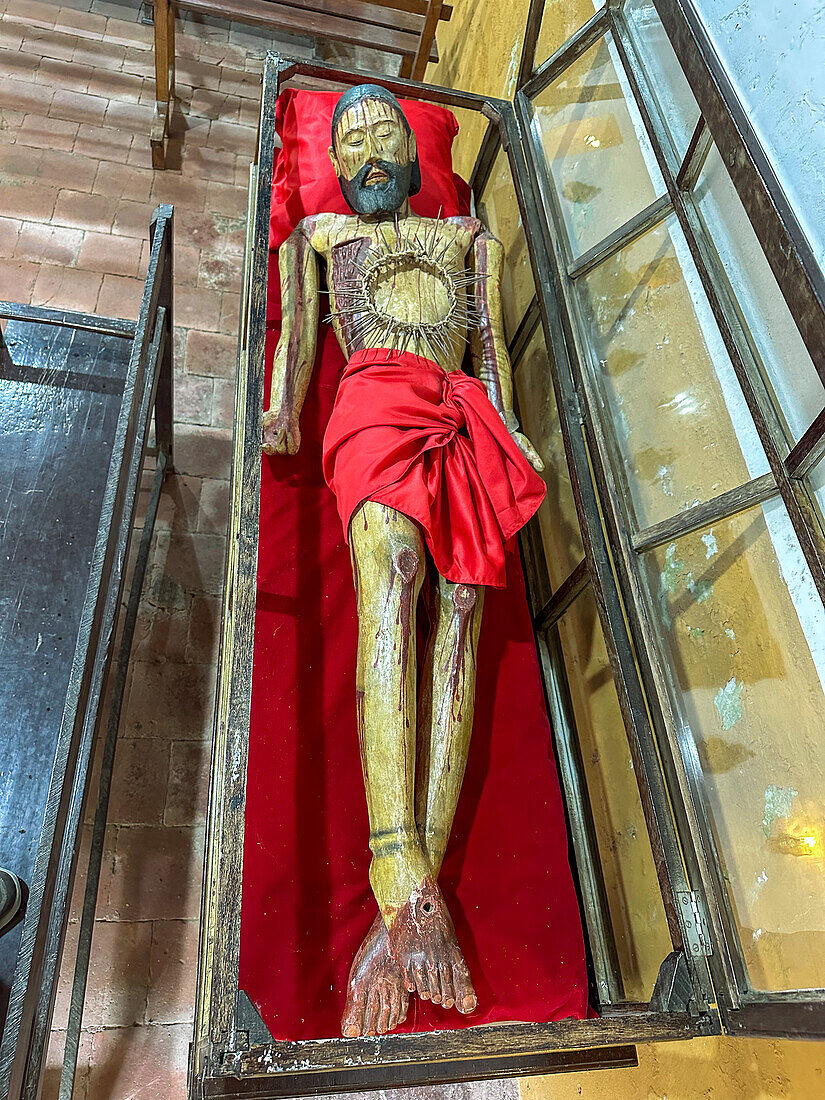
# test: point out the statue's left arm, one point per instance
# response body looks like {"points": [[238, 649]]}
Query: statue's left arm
{"points": [[488, 346]]}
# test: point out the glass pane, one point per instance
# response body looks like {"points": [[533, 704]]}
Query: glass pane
{"points": [[498, 209], [634, 899], [786, 363], [666, 79], [680, 425], [816, 484], [560, 19], [472, 127], [773, 55], [601, 164], [557, 516], [745, 633]]}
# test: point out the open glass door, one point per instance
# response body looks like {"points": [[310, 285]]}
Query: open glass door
{"points": [[620, 896], [691, 413]]}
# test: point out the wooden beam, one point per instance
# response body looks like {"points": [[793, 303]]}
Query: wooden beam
{"points": [[427, 39], [164, 82], [720, 507], [809, 450], [565, 594], [367, 11], [313, 24], [418, 7]]}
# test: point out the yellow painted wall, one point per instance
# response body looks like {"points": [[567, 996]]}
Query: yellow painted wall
{"points": [[480, 52], [710, 1069]]}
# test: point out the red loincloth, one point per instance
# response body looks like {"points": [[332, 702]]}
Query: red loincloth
{"points": [[428, 442]]}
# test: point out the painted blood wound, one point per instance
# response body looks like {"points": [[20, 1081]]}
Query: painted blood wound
{"points": [[406, 563], [464, 600]]}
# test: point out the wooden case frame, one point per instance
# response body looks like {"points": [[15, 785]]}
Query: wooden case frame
{"points": [[233, 1053]]}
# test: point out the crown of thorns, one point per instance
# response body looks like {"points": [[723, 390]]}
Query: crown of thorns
{"points": [[374, 325]]}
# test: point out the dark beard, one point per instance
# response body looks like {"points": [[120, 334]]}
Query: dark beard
{"points": [[378, 198]]}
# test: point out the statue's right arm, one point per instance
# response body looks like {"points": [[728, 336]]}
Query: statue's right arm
{"points": [[295, 353]]}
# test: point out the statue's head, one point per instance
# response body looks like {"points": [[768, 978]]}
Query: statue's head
{"points": [[373, 151]]}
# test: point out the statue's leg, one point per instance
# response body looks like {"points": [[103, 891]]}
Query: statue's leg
{"points": [[388, 567], [445, 717], [388, 563], [445, 724]]}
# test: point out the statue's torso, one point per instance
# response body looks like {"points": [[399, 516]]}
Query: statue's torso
{"points": [[403, 284]]}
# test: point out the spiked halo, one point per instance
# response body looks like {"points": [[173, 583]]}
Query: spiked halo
{"points": [[375, 326]]}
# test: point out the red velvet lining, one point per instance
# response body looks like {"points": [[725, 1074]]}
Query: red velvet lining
{"points": [[304, 183], [306, 900]]}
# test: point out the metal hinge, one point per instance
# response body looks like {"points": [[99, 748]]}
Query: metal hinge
{"points": [[694, 923]]}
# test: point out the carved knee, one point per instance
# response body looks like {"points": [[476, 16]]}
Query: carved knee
{"points": [[464, 598], [406, 564]]}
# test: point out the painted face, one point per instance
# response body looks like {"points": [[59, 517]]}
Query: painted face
{"points": [[373, 154]]}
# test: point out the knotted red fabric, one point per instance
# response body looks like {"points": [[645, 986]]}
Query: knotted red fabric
{"points": [[428, 442]]}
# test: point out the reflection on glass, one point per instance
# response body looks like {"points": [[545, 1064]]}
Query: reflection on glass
{"points": [[602, 166], [498, 209], [816, 484], [472, 126], [668, 83], [558, 521], [634, 899], [561, 18], [772, 53], [745, 631], [680, 425], [788, 367]]}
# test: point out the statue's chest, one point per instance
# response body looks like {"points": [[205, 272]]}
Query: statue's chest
{"points": [[406, 286], [422, 251], [345, 261]]}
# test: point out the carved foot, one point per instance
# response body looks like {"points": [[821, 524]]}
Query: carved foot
{"points": [[423, 942], [377, 996]]}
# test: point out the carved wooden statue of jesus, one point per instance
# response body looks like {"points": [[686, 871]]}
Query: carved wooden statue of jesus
{"points": [[431, 472]]}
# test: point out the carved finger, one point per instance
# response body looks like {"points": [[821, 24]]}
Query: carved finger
{"points": [[352, 1024], [529, 451], [465, 997], [372, 1013], [447, 991], [535, 460], [434, 982], [421, 984], [395, 1010], [384, 1014]]}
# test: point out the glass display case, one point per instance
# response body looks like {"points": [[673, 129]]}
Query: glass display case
{"points": [[675, 569]]}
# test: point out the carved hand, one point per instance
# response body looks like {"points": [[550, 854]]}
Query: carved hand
{"points": [[527, 449], [281, 433]]}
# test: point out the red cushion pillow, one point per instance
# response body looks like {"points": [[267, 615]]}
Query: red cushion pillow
{"points": [[303, 180]]}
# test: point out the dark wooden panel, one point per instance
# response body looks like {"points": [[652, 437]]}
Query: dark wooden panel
{"points": [[60, 395], [491, 1067], [389, 37]]}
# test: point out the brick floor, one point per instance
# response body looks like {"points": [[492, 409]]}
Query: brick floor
{"points": [[76, 192]]}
